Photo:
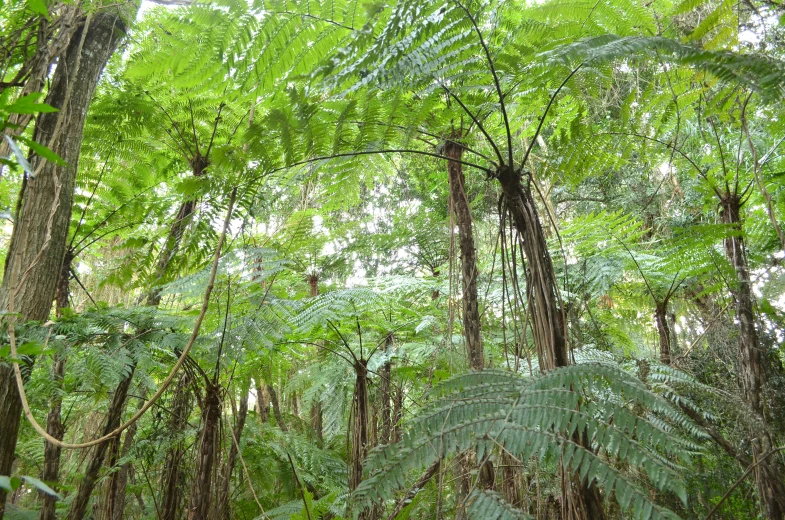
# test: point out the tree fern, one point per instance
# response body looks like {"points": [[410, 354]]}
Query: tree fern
{"points": [[538, 418]]}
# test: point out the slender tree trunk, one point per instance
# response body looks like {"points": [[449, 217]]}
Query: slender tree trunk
{"points": [[276, 408], [35, 255], [469, 272], [579, 500], [54, 424], [114, 507], [769, 472], [262, 401], [223, 507], [201, 489], [664, 332], [385, 395], [54, 427], [172, 481], [113, 417], [316, 405]]}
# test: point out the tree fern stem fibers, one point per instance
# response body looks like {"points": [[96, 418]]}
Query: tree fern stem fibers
{"points": [[113, 417], [172, 479], [201, 493], [579, 500], [276, 406], [222, 504], [35, 254], [769, 473]]}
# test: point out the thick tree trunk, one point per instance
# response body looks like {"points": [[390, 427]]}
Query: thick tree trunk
{"points": [[113, 417], [172, 480], [769, 472], [359, 426], [35, 255], [201, 490], [469, 272], [548, 323], [579, 501], [223, 507]]}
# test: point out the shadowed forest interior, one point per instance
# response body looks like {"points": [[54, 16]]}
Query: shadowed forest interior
{"points": [[402, 259]]}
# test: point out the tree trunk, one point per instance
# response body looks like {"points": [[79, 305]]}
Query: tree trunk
{"points": [[54, 427], [276, 408], [579, 501], [664, 332], [201, 489], [169, 250], [262, 401], [113, 417], [172, 480], [469, 272], [548, 323], [114, 508], [769, 472], [223, 506], [385, 395], [38, 241], [316, 404]]}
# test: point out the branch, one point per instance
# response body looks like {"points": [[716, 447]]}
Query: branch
{"points": [[495, 79], [741, 479], [164, 385], [544, 115]]}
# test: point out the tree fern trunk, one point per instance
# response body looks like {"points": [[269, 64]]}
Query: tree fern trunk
{"points": [[54, 427], [469, 272], [223, 507], [51, 192], [769, 472], [202, 490], [276, 408], [663, 332], [385, 386], [580, 500], [172, 480], [113, 418]]}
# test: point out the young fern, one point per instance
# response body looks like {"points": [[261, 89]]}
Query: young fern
{"points": [[631, 432]]}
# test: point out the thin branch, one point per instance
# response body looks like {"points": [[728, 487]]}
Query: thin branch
{"points": [[496, 83], [545, 114], [742, 478]]}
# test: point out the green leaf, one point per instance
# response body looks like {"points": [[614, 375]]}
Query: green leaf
{"points": [[40, 485], [44, 152], [38, 7], [29, 105], [20, 156]]}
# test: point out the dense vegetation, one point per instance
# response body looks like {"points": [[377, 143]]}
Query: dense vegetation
{"points": [[417, 259]]}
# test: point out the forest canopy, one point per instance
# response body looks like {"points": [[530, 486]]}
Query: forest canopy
{"points": [[413, 259]]}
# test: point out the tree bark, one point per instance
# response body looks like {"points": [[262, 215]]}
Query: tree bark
{"points": [[579, 500], [469, 272], [54, 427], [38, 241], [223, 506], [172, 480], [113, 417], [385, 395], [201, 489], [663, 331], [769, 472], [276, 408]]}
